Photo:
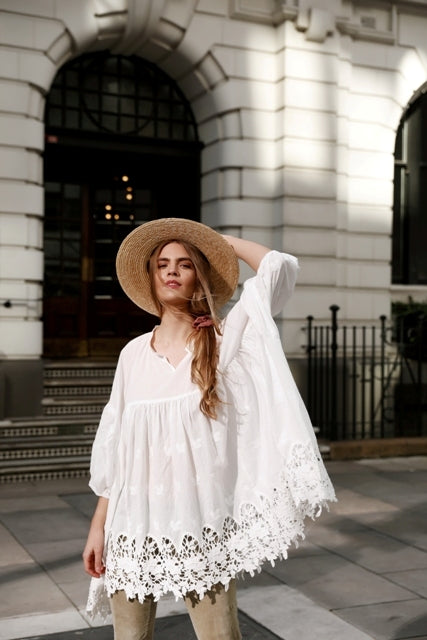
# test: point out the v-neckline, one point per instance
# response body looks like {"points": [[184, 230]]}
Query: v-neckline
{"points": [[165, 358]]}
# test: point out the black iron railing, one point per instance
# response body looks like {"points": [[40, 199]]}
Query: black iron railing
{"points": [[366, 381]]}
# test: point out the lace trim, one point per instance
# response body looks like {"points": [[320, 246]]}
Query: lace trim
{"points": [[244, 544], [98, 603]]}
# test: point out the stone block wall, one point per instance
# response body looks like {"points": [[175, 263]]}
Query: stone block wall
{"points": [[297, 105]]}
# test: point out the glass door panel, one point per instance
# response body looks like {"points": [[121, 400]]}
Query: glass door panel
{"points": [[62, 239]]}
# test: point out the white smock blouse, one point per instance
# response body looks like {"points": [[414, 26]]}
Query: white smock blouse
{"points": [[195, 501]]}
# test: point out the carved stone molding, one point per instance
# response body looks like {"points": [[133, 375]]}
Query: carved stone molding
{"points": [[264, 11], [111, 17], [142, 20], [361, 19], [317, 24], [374, 22]]}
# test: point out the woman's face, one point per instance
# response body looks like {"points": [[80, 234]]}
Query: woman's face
{"points": [[175, 276]]}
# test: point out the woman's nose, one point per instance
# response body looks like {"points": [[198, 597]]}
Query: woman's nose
{"points": [[173, 270]]}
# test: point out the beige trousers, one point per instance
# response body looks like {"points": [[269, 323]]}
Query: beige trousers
{"points": [[214, 617]]}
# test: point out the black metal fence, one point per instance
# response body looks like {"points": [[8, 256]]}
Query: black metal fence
{"points": [[367, 381]]}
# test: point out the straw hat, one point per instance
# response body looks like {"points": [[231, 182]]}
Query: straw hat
{"points": [[135, 251]]}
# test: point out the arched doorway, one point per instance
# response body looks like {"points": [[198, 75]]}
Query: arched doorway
{"points": [[121, 149], [409, 258]]}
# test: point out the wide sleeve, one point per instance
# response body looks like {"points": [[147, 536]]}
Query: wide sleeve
{"points": [[275, 435], [274, 283], [104, 449]]}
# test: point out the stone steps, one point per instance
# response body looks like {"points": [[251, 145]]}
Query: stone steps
{"points": [[75, 406], [58, 443], [72, 387], [60, 457], [49, 447], [44, 427], [42, 470]]}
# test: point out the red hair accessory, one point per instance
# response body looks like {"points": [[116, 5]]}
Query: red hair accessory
{"points": [[202, 321]]}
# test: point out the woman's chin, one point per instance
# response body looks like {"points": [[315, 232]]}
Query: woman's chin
{"points": [[174, 304]]}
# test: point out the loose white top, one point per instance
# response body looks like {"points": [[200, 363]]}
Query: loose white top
{"points": [[194, 501]]}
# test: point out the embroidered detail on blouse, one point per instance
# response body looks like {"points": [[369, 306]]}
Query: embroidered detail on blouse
{"points": [[157, 566]]}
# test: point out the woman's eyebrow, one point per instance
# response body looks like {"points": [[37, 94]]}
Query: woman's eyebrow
{"points": [[183, 259]]}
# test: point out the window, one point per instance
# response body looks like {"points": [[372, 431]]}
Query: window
{"points": [[120, 95], [409, 248]]}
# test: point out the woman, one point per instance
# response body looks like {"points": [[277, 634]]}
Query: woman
{"points": [[205, 462]]}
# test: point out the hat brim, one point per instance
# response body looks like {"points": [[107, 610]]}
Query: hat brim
{"points": [[136, 249]]}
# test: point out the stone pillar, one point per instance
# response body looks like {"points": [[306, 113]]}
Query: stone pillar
{"points": [[25, 73], [32, 48]]}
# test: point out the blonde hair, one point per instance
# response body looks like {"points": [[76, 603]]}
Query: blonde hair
{"points": [[205, 349]]}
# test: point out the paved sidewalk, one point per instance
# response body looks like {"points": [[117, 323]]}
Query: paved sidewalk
{"points": [[360, 574]]}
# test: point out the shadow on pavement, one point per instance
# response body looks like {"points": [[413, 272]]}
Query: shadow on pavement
{"points": [[166, 628], [412, 629]]}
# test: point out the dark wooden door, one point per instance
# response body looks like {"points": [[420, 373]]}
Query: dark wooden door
{"points": [[94, 198]]}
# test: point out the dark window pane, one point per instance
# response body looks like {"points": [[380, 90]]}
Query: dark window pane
{"points": [[72, 191], [52, 187], [126, 95], [72, 98], [409, 256], [55, 117], [52, 248], [72, 119]]}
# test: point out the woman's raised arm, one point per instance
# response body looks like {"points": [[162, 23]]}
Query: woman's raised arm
{"points": [[250, 252]]}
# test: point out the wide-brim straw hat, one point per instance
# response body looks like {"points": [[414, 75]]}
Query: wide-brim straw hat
{"points": [[136, 249]]}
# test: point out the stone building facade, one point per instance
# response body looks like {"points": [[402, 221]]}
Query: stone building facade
{"points": [[297, 105]]}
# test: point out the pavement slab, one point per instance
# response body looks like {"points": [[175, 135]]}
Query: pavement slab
{"points": [[387, 621], [334, 583], [294, 617], [415, 580], [83, 503], [10, 548], [27, 589], [39, 503], [372, 550], [351, 503], [46, 525], [67, 621], [178, 627], [62, 560], [386, 487], [404, 525], [360, 573]]}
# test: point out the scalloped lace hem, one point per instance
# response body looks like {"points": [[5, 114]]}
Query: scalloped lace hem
{"points": [[158, 567]]}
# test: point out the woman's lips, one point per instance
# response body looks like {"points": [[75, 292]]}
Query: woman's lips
{"points": [[173, 284]]}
